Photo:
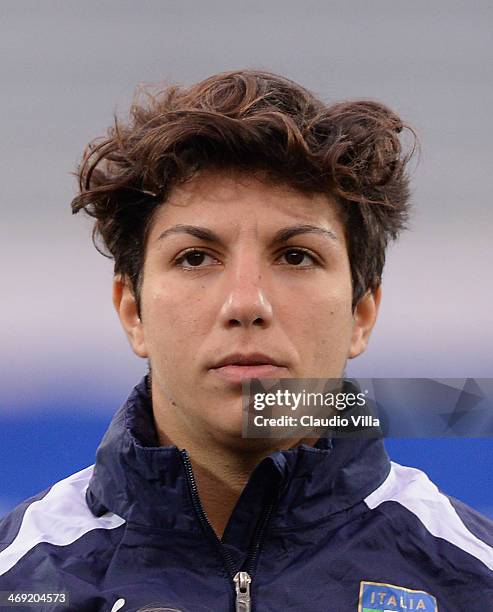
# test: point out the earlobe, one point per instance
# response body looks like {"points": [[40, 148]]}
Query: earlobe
{"points": [[365, 316], [125, 305]]}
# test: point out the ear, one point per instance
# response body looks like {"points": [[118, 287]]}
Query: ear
{"points": [[126, 308], [364, 318]]}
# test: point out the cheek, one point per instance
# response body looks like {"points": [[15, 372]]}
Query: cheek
{"points": [[322, 324], [317, 309], [173, 323]]}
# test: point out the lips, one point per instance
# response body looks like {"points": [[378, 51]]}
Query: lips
{"points": [[250, 359], [238, 367]]}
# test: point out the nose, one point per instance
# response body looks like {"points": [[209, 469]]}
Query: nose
{"points": [[246, 303]]}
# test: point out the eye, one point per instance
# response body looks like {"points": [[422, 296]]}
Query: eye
{"points": [[194, 258], [299, 258]]}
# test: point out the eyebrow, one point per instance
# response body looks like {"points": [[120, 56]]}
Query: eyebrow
{"points": [[192, 230], [283, 235], [294, 230]]}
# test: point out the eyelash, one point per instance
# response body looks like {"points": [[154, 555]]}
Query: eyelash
{"points": [[179, 260]]}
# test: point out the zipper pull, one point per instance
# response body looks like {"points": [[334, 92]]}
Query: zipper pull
{"points": [[242, 581]]}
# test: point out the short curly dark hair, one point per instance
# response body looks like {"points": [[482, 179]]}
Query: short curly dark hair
{"points": [[252, 121]]}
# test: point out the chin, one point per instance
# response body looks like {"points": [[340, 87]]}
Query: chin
{"points": [[246, 446], [231, 428]]}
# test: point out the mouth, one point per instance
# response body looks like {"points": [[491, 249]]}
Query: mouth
{"points": [[240, 367]]}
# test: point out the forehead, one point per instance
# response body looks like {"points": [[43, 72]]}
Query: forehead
{"points": [[240, 202]]}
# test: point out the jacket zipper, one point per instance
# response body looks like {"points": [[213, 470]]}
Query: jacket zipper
{"points": [[241, 580]]}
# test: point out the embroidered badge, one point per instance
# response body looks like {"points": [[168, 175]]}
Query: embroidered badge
{"points": [[380, 597]]}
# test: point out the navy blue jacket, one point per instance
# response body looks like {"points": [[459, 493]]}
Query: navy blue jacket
{"points": [[333, 528]]}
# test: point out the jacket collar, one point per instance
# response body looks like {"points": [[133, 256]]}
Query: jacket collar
{"points": [[147, 484]]}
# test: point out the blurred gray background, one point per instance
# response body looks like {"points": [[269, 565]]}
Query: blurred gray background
{"points": [[66, 67]]}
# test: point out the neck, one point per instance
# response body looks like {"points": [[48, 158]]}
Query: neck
{"points": [[221, 467]]}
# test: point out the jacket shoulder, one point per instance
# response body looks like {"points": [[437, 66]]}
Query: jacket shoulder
{"points": [[409, 496], [56, 517]]}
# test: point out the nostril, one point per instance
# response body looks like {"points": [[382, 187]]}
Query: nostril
{"points": [[257, 321]]}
